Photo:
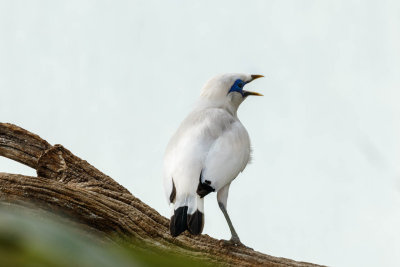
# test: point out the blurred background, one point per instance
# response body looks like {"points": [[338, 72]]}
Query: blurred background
{"points": [[112, 80]]}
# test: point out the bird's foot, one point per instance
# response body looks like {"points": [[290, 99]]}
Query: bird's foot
{"points": [[232, 242], [236, 241]]}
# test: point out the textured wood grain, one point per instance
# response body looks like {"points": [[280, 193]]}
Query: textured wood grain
{"points": [[70, 186]]}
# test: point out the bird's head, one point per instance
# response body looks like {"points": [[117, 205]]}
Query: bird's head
{"points": [[228, 89]]}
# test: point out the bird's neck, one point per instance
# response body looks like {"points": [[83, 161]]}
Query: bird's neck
{"points": [[230, 104]]}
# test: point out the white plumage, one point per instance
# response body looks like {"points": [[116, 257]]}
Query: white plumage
{"points": [[209, 149]]}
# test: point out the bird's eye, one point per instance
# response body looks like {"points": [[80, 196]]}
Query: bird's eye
{"points": [[241, 85]]}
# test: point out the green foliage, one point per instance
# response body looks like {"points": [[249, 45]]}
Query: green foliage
{"points": [[33, 238]]}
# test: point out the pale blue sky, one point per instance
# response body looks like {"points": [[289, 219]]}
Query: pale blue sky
{"points": [[111, 81]]}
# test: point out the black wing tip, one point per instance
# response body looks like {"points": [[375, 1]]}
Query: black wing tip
{"points": [[178, 223], [172, 196], [196, 222], [203, 189]]}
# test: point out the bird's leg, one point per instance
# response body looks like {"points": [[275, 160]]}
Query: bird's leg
{"points": [[222, 198], [235, 238]]}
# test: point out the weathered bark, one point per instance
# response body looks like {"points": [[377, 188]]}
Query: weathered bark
{"points": [[69, 185]]}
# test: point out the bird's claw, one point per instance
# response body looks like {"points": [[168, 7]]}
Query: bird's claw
{"points": [[233, 242]]}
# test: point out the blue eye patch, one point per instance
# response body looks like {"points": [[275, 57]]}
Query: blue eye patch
{"points": [[237, 86]]}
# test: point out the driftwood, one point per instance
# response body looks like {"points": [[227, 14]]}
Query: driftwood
{"points": [[69, 185]]}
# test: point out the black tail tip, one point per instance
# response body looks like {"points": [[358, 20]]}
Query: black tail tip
{"points": [[196, 222], [182, 221], [178, 223]]}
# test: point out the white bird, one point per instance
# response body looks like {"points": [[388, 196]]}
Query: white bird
{"points": [[209, 149]]}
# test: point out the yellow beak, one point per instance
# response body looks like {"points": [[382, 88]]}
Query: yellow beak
{"points": [[247, 93], [253, 77]]}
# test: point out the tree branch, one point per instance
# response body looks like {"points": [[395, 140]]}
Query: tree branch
{"points": [[69, 185]]}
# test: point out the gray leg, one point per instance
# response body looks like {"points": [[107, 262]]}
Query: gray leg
{"points": [[235, 238]]}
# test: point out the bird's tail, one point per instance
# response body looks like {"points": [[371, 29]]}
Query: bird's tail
{"points": [[188, 215]]}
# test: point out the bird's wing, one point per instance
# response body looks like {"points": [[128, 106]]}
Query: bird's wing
{"points": [[210, 142], [188, 148], [227, 157]]}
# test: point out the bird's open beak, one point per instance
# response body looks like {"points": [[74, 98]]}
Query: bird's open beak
{"points": [[253, 77], [247, 93]]}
